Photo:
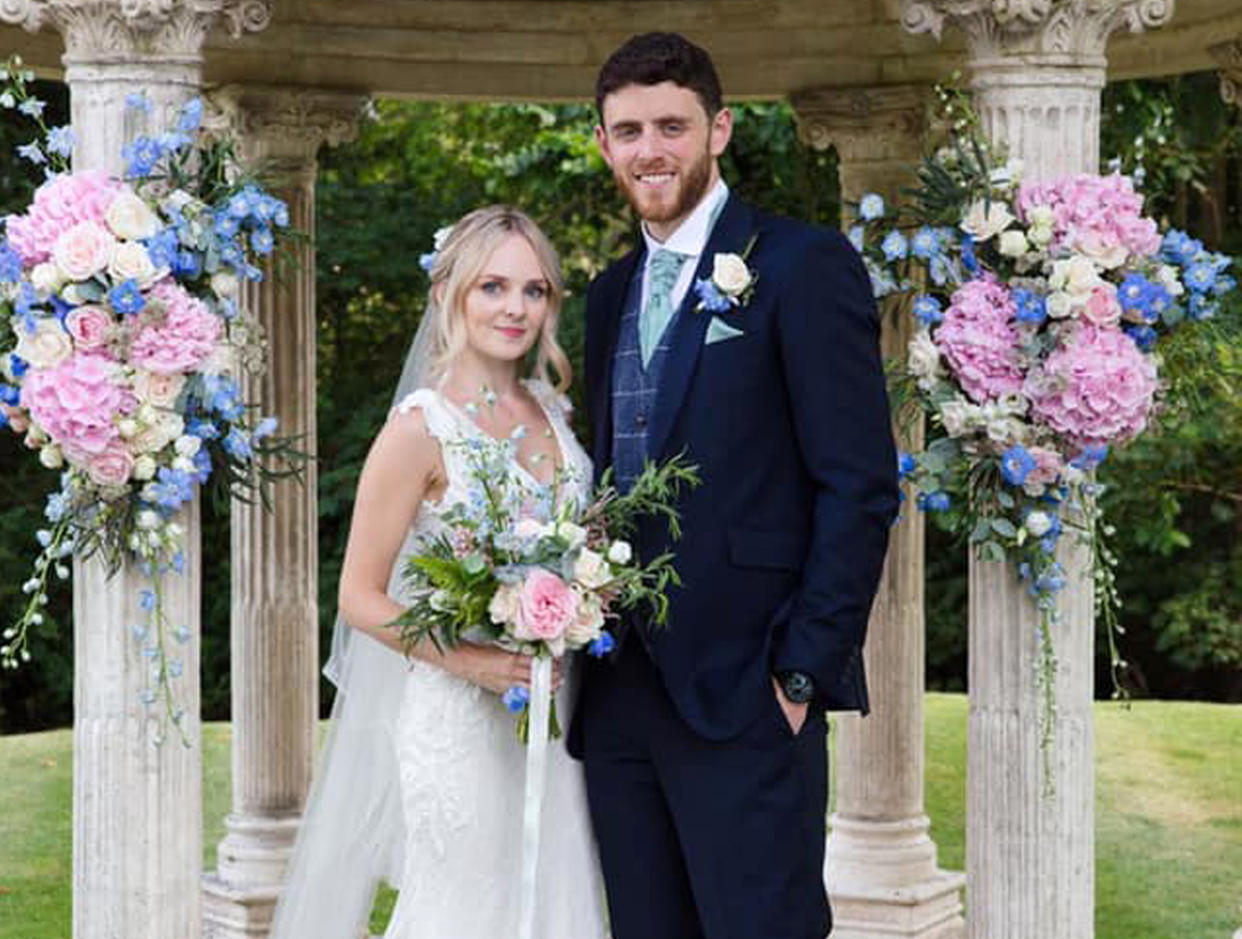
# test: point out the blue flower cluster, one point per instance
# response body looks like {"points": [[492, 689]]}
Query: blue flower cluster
{"points": [[144, 153], [710, 298], [598, 648], [927, 310], [1203, 272], [1017, 464], [1030, 306]]}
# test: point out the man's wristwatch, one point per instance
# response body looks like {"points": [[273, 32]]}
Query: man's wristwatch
{"points": [[799, 687]]}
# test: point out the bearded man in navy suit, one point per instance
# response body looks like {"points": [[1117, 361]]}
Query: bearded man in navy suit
{"points": [[750, 343]]}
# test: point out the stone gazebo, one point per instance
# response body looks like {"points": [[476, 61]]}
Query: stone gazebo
{"points": [[292, 77]]}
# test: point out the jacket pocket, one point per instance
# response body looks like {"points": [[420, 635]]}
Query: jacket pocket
{"points": [[769, 550]]}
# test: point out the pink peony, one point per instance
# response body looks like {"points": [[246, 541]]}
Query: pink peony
{"points": [[1097, 387], [1099, 216], [90, 326], [546, 607], [111, 467], [59, 204], [183, 340], [77, 403], [978, 340]]}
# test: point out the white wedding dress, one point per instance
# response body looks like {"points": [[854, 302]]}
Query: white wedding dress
{"points": [[461, 768]]}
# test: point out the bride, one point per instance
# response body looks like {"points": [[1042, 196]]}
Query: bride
{"points": [[421, 781]]}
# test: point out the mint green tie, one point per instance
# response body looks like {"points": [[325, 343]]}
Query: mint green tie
{"points": [[661, 277]]}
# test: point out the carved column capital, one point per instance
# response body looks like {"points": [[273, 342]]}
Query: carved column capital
{"points": [[864, 124], [1071, 29], [283, 127], [1229, 55], [111, 30]]}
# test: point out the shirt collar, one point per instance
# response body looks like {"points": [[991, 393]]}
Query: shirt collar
{"points": [[691, 236]]}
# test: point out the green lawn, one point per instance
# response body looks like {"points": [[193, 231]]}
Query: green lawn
{"points": [[1168, 821]]}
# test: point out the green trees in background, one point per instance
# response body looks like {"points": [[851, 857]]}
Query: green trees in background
{"points": [[418, 166]]}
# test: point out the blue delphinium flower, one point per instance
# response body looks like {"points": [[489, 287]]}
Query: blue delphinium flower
{"points": [[1200, 277], [1144, 336], [141, 156], [202, 466], [940, 269], [126, 298], [1180, 248], [138, 101], [969, 262], [146, 599], [1016, 464], [162, 247], [237, 445], [871, 207], [933, 502], [25, 303], [1050, 581], [31, 152], [57, 505], [60, 140], [598, 648], [204, 430], [191, 116], [17, 365], [855, 236], [895, 246], [32, 107], [187, 264], [1135, 293], [231, 253], [265, 428], [710, 297], [10, 395], [1030, 306], [516, 699], [1091, 456], [10, 264], [226, 225], [927, 309], [280, 211], [427, 260], [261, 240], [1201, 307], [906, 464], [925, 243], [1158, 302]]}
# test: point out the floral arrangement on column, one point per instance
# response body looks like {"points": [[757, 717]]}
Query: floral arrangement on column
{"points": [[1040, 309], [122, 341]]}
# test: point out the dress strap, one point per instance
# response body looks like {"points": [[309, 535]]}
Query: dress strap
{"points": [[440, 421]]}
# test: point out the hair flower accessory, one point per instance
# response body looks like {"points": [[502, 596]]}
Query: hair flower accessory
{"points": [[731, 284], [439, 239]]}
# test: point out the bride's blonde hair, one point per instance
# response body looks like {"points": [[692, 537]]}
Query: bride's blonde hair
{"points": [[458, 263]]}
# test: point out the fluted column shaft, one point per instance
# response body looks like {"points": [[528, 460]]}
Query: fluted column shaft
{"points": [[1037, 70], [274, 620], [881, 861], [137, 805]]}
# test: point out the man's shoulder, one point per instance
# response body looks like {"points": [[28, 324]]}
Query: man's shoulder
{"points": [[795, 233]]}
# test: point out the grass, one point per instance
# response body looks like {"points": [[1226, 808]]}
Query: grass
{"points": [[1168, 818]]}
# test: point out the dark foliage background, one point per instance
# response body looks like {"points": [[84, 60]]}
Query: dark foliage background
{"points": [[418, 166]]}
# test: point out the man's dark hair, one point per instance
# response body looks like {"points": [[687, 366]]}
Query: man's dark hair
{"points": [[653, 58]]}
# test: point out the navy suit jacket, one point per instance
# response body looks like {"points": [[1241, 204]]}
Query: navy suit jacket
{"points": [[784, 540]]}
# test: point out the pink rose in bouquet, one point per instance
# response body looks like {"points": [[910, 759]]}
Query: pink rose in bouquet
{"points": [[112, 467], [90, 326], [978, 340], [1098, 387], [184, 340], [59, 204], [546, 607], [1102, 308]]}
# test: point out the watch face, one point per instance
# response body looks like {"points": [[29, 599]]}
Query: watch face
{"points": [[798, 687]]}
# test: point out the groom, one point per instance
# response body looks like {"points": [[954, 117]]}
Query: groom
{"points": [[704, 742]]}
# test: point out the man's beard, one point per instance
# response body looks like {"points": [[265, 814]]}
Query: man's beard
{"points": [[694, 186]]}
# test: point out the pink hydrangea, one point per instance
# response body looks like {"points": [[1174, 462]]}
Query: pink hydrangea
{"points": [[183, 340], [1097, 387], [978, 340], [77, 403], [1100, 216], [59, 204]]}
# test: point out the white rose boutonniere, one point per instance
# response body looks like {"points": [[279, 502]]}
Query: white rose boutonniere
{"points": [[731, 284]]}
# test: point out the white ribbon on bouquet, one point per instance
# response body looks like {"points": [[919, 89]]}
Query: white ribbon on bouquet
{"points": [[536, 773]]}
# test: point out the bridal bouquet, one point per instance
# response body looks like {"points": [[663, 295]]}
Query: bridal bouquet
{"points": [[521, 567], [1040, 310], [122, 340]]}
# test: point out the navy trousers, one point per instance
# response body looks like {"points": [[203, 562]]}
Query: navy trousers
{"points": [[702, 839]]}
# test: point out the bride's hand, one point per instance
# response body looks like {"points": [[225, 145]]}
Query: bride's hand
{"points": [[493, 668]]}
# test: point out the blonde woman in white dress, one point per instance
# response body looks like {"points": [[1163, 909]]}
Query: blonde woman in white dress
{"points": [[421, 781]]}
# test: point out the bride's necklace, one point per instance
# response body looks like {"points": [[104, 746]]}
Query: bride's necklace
{"points": [[485, 401]]}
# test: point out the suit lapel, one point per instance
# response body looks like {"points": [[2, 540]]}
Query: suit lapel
{"points": [[599, 366], [730, 234]]}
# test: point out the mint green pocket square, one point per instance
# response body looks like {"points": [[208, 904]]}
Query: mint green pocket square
{"points": [[718, 331]]}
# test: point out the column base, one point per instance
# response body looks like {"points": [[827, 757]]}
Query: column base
{"points": [[237, 912], [931, 909]]}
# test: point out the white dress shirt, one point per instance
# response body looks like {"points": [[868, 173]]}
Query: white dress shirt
{"points": [[690, 239]]}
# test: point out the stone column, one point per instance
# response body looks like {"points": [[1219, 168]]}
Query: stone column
{"points": [[275, 613], [881, 866], [1229, 55], [137, 807], [1037, 69]]}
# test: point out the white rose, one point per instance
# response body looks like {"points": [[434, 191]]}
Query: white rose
{"points": [[129, 217], [1039, 235], [156, 389], [1038, 524], [1076, 275], [730, 274], [590, 569], [225, 284], [222, 361], [159, 433], [51, 457], [958, 416], [47, 346], [187, 445], [127, 426], [982, 221], [144, 467], [46, 277], [1012, 243], [923, 359], [620, 552], [83, 250], [505, 605], [131, 261], [1107, 252], [574, 535], [1059, 305], [589, 622], [1041, 216]]}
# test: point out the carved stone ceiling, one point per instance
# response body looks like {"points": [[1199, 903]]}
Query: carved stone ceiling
{"points": [[550, 49]]}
